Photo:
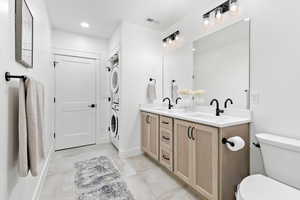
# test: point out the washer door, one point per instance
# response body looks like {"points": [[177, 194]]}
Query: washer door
{"points": [[114, 81], [114, 125]]}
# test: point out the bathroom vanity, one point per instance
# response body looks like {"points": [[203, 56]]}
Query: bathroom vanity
{"points": [[190, 146]]}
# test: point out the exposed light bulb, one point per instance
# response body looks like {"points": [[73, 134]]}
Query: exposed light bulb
{"points": [[219, 13], [206, 21], [234, 6], [176, 37], [164, 44], [170, 41]]}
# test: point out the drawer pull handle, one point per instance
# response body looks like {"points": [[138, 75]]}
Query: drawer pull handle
{"points": [[192, 133], [165, 157], [165, 138], [165, 122]]}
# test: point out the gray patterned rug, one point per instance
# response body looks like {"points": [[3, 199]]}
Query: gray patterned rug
{"points": [[99, 179]]}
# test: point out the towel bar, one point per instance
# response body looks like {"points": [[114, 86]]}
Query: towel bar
{"points": [[8, 76]]}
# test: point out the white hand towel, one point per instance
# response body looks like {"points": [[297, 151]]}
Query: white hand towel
{"points": [[174, 91], [152, 91], [35, 144], [23, 167]]}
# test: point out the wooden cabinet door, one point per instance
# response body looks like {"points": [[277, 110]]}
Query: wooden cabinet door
{"points": [[150, 134], [205, 160], [182, 151], [145, 131], [153, 150]]}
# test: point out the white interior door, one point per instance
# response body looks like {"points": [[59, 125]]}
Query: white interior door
{"points": [[75, 102]]}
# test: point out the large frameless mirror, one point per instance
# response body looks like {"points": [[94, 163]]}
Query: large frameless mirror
{"points": [[218, 64]]}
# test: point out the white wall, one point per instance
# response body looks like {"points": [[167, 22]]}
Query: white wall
{"points": [[63, 40], [274, 64], [140, 59], [12, 186], [80, 45]]}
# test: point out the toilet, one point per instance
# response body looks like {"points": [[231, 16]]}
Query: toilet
{"points": [[281, 158]]}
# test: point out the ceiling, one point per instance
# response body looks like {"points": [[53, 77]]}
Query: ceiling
{"points": [[105, 15]]}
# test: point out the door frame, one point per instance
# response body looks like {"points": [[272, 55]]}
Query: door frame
{"points": [[99, 58]]}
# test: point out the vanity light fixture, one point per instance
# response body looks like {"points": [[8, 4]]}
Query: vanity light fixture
{"points": [[171, 39], [217, 13]]}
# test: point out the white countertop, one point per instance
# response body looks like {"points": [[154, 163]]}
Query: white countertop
{"points": [[200, 117]]}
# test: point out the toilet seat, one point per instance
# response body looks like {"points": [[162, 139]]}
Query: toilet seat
{"points": [[259, 187]]}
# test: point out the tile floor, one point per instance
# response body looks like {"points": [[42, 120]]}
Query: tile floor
{"points": [[145, 179]]}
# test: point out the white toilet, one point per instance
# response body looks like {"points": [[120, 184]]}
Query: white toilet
{"points": [[282, 164]]}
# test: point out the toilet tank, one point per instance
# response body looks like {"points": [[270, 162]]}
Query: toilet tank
{"points": [[281, 158]]}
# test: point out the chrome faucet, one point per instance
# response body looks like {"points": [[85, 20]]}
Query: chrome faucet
{"points": [[218, 110]]}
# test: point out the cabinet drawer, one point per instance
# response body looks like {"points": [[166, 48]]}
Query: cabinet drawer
{"points": [[166, 138], [166, 122], [166, 158]]}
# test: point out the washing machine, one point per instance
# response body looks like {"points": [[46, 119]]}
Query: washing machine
{"points": [[115, 99], [115, 79], [114, 126]]}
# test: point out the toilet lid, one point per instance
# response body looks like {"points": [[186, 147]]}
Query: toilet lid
{"points": [[258, 187]]}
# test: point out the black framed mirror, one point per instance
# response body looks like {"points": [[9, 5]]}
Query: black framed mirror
{"points": [[24, 34]]}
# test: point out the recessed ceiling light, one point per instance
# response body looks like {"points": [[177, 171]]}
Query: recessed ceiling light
{"points": [[85, 25]]}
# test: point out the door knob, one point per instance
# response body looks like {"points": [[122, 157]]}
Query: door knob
{"points": [[92, 105]]}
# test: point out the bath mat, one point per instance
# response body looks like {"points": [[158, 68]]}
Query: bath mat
{"points": [[99, 179]]}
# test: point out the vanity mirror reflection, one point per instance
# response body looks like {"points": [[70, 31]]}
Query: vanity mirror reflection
{"points": [[218, 63]]}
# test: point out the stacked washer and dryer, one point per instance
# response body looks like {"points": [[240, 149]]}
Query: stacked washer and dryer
{"points": [[115, 99]]}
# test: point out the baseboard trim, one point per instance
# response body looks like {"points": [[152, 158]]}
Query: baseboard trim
{"points": [[103, 140], [131, 152], [42, 178]]}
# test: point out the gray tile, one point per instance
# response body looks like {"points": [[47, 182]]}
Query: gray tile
{"points": [[145, 178], [160, 181], [141, 163], [139, 188]]}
